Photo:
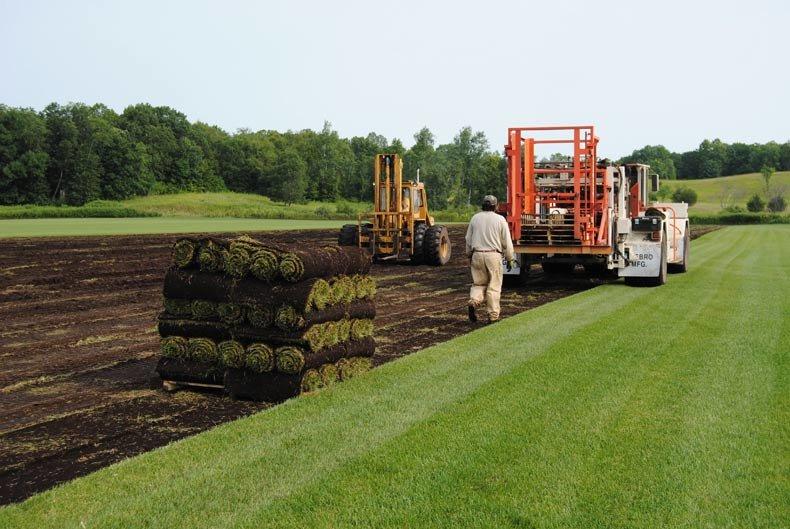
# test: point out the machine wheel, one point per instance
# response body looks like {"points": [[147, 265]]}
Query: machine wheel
{"points": [[436, 246], [348, 235], [552, 268], [599, 270], [521, 279], [682, 266], [418, 240]]}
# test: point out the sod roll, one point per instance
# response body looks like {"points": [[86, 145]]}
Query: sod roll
{"points": [[265, 387], [329, 374], [315, 359], [193, 329], [289, 359], [181, 308], [203, 350], [288, 319], [298, 265], [185, 252], [181, 370], [174, 347], [230, 313], [311, 381], [352, 367], [232, 353], [237, 263], [204, 310], [265, 264], [312, 294], [361, 329], [261, 316], [259, 358], [212, 256]]}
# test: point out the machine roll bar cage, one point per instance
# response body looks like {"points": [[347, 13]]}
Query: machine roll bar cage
{"points": [[588, 202]]}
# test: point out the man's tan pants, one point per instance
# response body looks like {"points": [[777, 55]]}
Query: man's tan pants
{"points": [[487, 281]]}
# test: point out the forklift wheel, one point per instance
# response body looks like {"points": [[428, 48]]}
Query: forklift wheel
{"points": [[436, 246], [348, 235], [418, 240]]}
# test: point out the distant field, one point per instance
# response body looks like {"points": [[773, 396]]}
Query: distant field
{"points": [[743, 186], [113, 226], [241, 205], [618, 407]]}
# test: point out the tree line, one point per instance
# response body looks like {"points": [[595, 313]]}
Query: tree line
{"points": [[76, 153], [714, 158]]}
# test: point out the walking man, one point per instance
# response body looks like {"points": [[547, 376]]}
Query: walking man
{"points": [[487, 242]]}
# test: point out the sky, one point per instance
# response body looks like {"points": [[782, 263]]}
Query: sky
{"points": [[659, 72]]}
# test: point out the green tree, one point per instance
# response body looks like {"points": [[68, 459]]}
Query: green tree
{"points": [[420, 155], [467, 151], [657, 157], [291, 184], [767, 172], [358, 181], [23, 157], [246, 161]]}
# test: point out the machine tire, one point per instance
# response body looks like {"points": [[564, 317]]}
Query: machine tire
{"points": [[520, 280], [348, 235], [418, 244], [437, 249], [551, 268], [681, 267]]}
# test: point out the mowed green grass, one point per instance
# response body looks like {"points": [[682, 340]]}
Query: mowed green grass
{"points": [[709, 190], [617, 407], [150, 225]]}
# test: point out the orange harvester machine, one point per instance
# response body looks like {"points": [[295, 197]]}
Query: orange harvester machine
{"points": [[557, 207]]}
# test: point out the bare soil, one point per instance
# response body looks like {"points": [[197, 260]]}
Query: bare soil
{"points": [[78, 346]]}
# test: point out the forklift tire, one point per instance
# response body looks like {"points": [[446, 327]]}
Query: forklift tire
{"points": [[418, 244], [681, 267], [348, 235], [551, 268], [436, 246]]}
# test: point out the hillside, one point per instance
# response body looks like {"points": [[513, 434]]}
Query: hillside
{"points": [[740, 187], [604, 420]]}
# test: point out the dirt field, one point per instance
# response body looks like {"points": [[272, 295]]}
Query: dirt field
{"points": [[78, 346]]}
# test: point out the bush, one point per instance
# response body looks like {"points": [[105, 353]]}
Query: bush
{"points": [[777, 204], [740, 218], [685, 194], [755, 204], [734, 209], [322, 212], [93, 210], [346, 210]]}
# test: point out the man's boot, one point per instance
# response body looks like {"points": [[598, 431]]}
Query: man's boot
{"points": [[472, 315]]}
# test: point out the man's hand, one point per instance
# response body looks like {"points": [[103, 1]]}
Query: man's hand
{"points": [[510, 264]]}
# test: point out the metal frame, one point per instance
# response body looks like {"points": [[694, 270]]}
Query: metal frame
{"points": [[529, 195], [391, 226]]}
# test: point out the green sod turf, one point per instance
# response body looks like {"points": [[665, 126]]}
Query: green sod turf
{"points": [[151, 225], [616, 407]]}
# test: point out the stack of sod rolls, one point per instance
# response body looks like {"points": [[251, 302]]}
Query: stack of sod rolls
{"points": [[266, 321]]}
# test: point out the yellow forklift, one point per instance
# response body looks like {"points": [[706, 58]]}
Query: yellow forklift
{"points": [[400, 227]]}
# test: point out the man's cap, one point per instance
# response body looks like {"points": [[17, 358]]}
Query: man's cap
{"points": [[489, 200]]}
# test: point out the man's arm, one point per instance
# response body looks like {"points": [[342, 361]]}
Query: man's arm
{"points": [[469, 235], [507, 243]]}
